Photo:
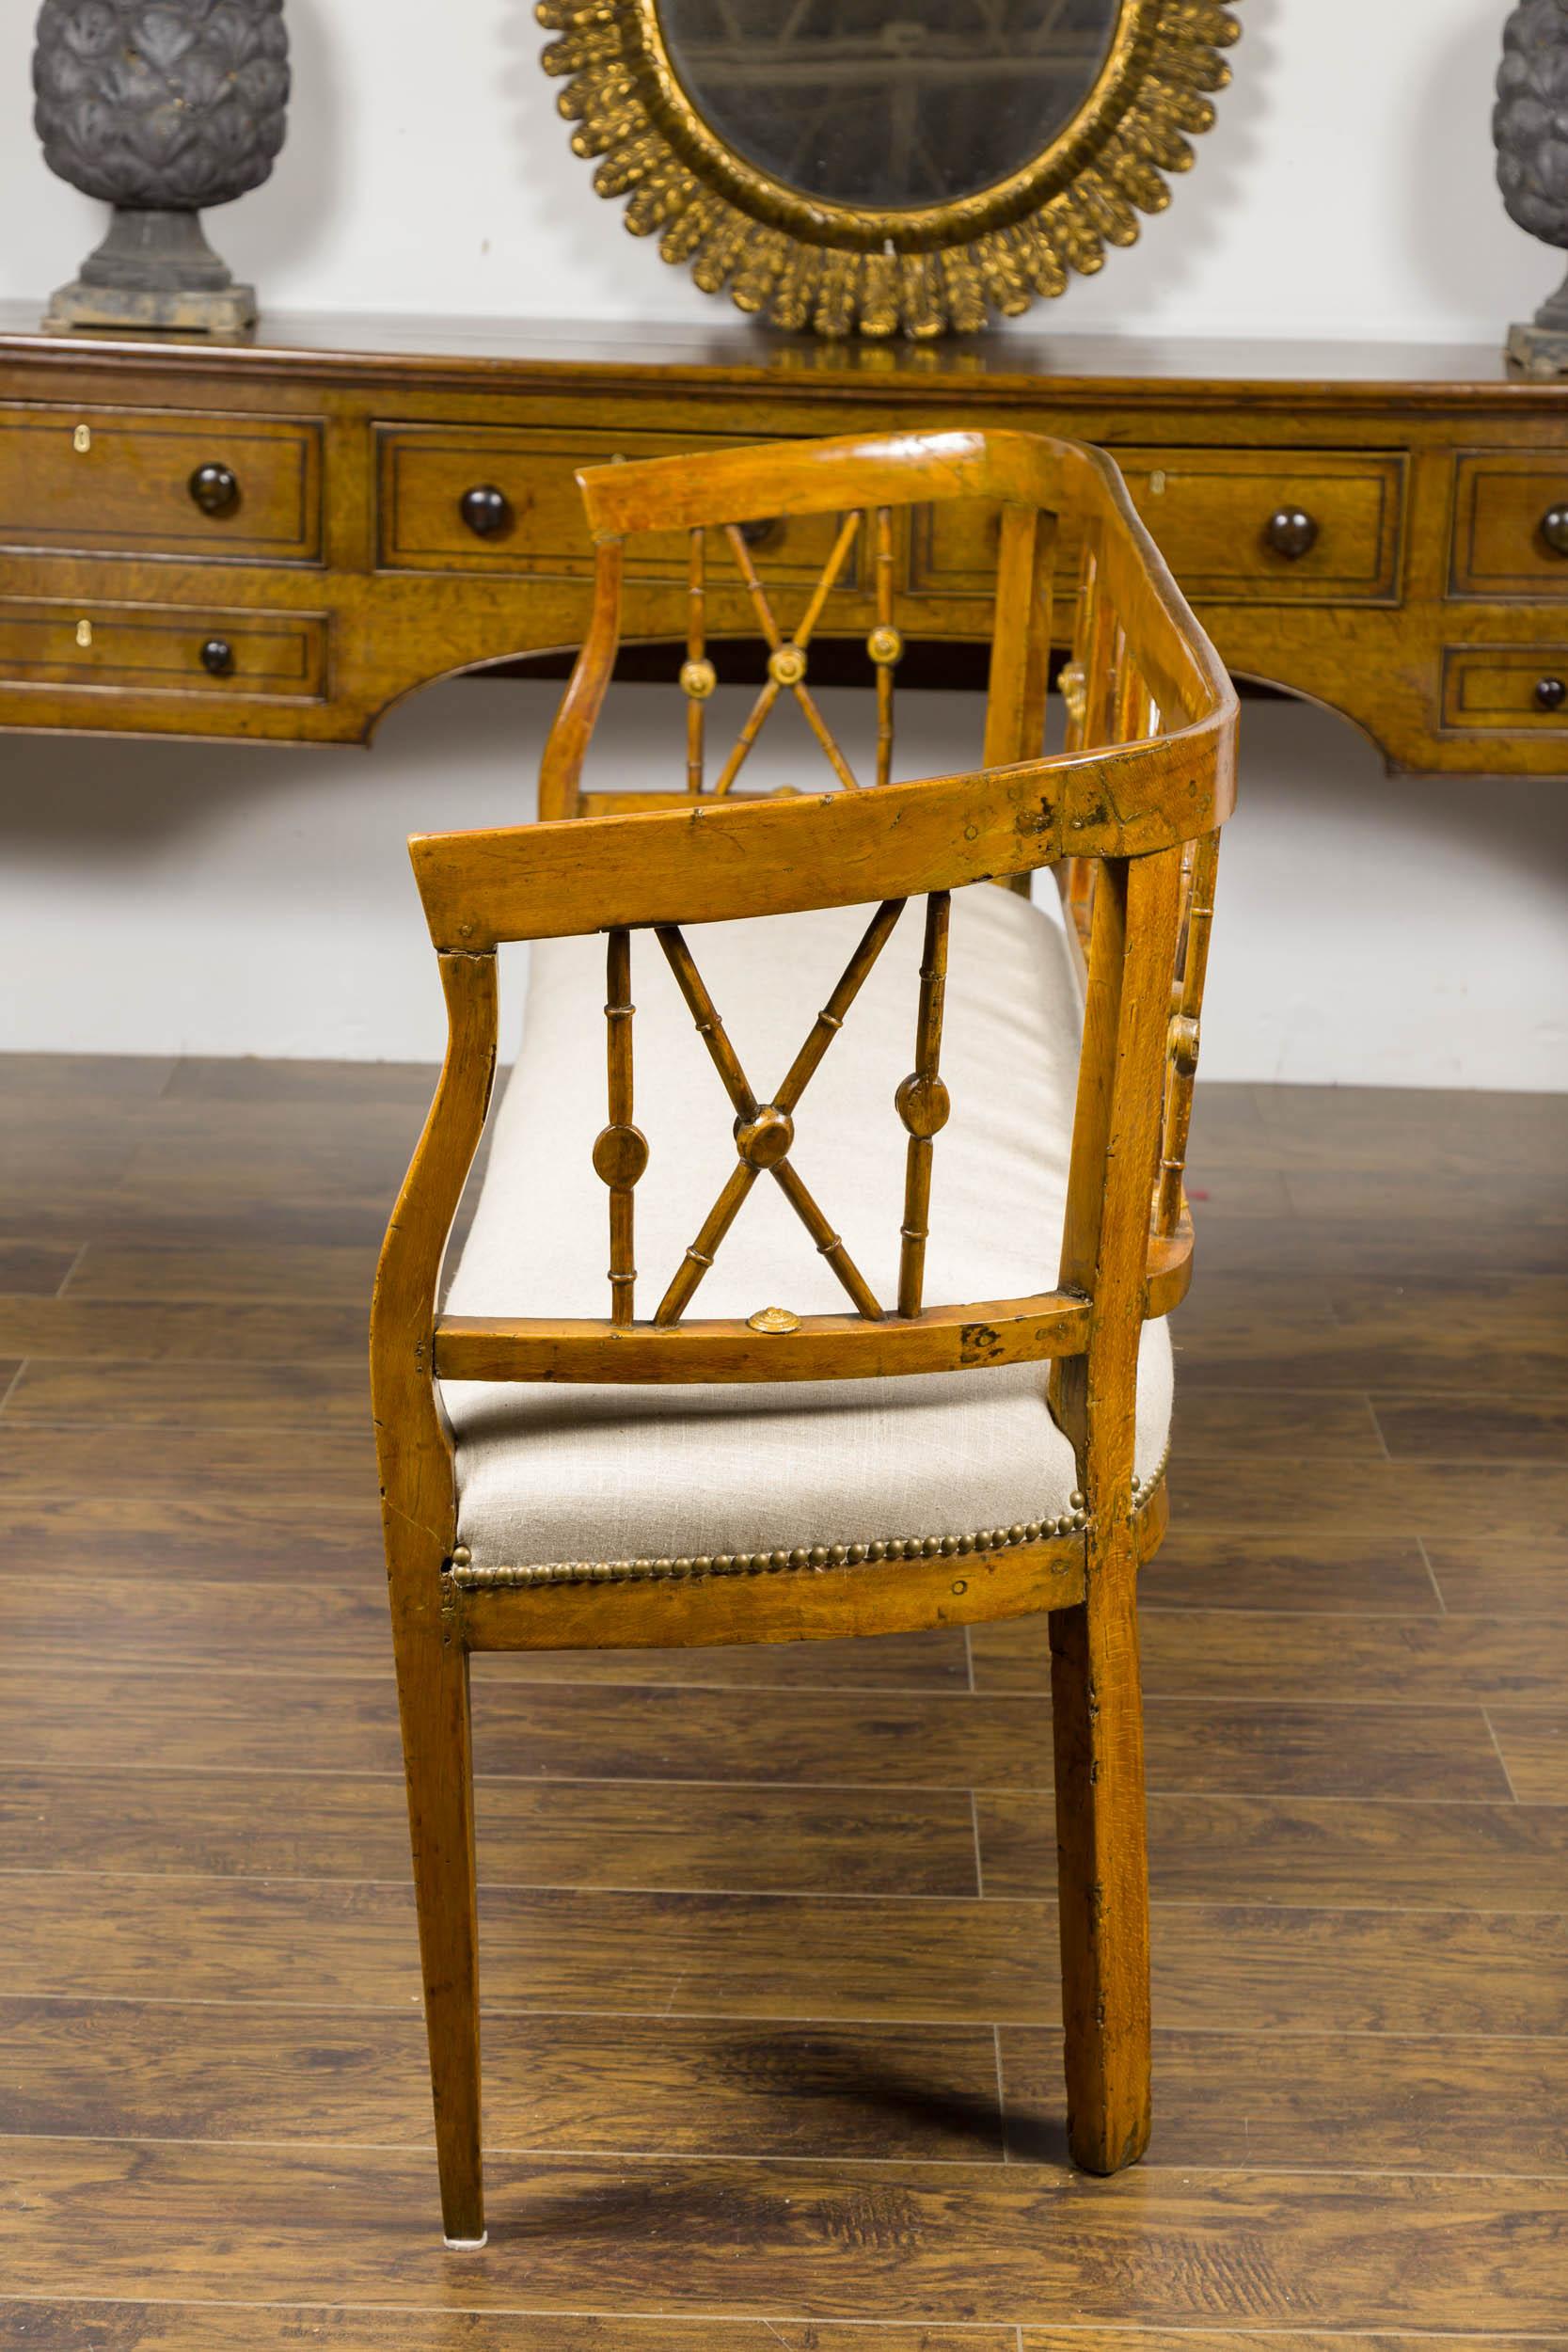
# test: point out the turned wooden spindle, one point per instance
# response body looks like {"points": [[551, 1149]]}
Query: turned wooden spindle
{"points": [[885, 643], [923, 1105], [619, 1150], [1087, 684], [1127, 690], [1073, 680], [1193, 964], [697, 672], [1100, 655]]}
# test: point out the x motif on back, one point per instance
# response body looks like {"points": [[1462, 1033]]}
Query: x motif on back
{"points": [[787, 656], [786, 659], [765, 1132]]}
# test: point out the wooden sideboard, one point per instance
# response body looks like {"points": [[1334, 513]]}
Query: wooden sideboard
{"points": [[279, 539]]}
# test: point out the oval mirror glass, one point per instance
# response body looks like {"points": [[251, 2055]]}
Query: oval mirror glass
{"points": [[857, 102]]}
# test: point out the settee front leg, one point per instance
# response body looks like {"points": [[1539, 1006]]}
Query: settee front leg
{"points": [[432, 1699], [1103, 1864]]}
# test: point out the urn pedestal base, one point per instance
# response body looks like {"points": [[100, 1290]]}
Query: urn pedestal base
{"points": [[1542, 347], [1539, 350], [154, 271]]}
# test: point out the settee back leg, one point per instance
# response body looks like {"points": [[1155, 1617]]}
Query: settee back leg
{"points": [[1103, 1866]]}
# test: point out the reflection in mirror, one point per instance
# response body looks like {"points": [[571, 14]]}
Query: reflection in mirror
{"points": [[857, 102]]}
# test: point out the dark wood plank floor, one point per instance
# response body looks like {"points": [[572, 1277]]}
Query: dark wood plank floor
{"points": [[770, 1975]]}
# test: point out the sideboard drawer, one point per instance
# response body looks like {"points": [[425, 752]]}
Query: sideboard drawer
{"points": [[143, 648], [1510, 525], [159, 483], [477, 499], [1505, 687], [1267, 525]]}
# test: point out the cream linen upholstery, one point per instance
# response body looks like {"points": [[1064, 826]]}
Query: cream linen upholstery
{"points": [[569, 1473]]}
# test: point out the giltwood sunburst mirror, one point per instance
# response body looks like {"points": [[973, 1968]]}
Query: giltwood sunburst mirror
{"points": [[887, 165]]}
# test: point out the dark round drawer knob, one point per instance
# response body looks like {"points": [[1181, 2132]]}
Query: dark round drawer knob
{"points": [[216, 489], [1551, 694], [487, 510], [217, 657], [1290, 531], [1554, 528], [758, 533]]}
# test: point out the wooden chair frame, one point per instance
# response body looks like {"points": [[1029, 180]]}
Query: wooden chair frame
{"points": [[1128, 815]]}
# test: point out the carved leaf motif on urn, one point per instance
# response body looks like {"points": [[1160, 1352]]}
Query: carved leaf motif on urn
{"points": [[1530, 128], [160, 108]]}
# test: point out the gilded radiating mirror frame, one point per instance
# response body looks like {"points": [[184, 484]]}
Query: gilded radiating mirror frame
{"points": [[922, 270]]}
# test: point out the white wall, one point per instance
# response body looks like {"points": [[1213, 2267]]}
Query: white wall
{"points": [[1347, 189], [1372, 931]]}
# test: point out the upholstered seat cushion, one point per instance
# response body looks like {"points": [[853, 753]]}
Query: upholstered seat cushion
{"points": [[616, 1473]]}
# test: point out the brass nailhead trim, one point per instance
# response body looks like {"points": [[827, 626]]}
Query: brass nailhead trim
{"points": [[777, 1563], [1143, 1489]]}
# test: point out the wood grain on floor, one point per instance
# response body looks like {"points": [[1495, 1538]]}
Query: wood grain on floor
{"points": [[772, 2003]]}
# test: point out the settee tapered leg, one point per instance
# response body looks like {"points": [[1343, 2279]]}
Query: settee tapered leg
{"points": [[432, 1694], [1102, 1868]]}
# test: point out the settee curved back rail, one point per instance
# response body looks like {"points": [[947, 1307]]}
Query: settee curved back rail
{"points": [[1036, 487]]}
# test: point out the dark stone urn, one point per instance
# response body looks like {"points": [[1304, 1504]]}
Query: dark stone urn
{"points": [[160, 108], [1530, 128]]}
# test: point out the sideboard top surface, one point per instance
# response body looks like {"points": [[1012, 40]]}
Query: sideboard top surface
{"points": [[1003, 367]]}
